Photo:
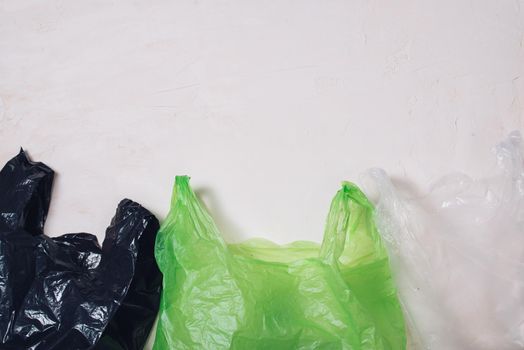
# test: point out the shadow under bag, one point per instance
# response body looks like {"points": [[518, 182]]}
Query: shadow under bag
{"points": [[64, 292], [259, 295]]}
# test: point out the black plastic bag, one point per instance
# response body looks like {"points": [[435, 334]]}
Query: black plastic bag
{"points": [[66, 292]]}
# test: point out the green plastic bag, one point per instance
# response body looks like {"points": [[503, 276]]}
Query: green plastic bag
{"points": [[259, 295]]}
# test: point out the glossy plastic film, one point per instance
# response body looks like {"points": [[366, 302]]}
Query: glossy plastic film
{"points": [[259, 295], [458, 254], [63, 292]]}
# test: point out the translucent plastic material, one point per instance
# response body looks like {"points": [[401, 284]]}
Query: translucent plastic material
{"points": [[458, 255], [258, 295]]}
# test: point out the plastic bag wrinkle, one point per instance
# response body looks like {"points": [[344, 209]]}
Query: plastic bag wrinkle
{"points": [[63, 292], [258, 295], [458, 254]]}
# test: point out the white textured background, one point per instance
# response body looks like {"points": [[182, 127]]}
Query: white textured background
{"points": [[268, 105]]}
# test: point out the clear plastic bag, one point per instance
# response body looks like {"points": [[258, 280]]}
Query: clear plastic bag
{"points": [[458, 254]]}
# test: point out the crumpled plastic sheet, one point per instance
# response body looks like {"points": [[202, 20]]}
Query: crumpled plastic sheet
{"points": [[458, 254], [259, 295], [63, 292]]}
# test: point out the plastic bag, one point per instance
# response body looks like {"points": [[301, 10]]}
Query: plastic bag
{"points": [[458, 255], [259, 295], [62, 292]]}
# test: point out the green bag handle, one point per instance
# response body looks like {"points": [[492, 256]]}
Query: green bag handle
{"points": [[195, 227], [185, 198], [350, 233], [351, 237], [352, 244]]}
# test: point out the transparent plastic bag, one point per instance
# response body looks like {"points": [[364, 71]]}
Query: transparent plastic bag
{"points": [[458, 254], [259, 295]]}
